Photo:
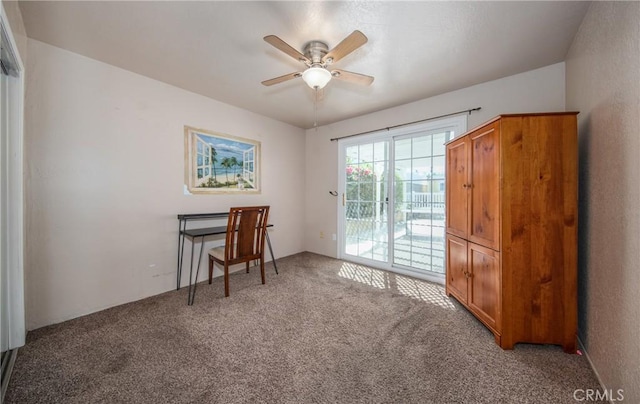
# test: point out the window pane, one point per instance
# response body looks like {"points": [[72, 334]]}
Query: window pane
{"points": [[366, 153], [421, 147], [367, 191], [380, 151], [403, 149], [438, 144], [438, 167], [351, 172], [352, 154], [403, 168], [379, 169], [420, 186], [352, 191], [352, 210], [421, 169], [380, 194], [365, 173]]}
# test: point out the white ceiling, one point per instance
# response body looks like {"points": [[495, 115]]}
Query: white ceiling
{"points": [[214, 48]]}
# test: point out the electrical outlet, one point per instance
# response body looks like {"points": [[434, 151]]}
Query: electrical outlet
{"points": [[321, 234]]}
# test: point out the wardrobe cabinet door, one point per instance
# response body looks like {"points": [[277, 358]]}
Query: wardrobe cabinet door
{"points": [[484, 220], [457, 268], [484, 297], [457, 187]]}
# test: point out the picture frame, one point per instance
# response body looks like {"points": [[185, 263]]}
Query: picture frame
{"points": [[217, 163]]}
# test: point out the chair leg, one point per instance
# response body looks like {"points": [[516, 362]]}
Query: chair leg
{"points": [[210, 269], [262, 269], [226, 279], [247, 266]]}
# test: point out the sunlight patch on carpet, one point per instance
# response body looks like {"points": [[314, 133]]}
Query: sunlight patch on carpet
{"points": [[404, 285]]}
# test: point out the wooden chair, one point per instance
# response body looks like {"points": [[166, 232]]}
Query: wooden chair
{"points": [[244, 242]]}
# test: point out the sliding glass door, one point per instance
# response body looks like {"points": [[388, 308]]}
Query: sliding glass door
{"points": [[391, 210]]}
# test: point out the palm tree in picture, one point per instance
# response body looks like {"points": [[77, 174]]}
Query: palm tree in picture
{"points": [[226, 163], [239, 163], [213, 160], [234, 164]]}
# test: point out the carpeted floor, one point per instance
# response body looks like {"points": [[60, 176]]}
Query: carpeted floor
{"points": [[323, 331]]}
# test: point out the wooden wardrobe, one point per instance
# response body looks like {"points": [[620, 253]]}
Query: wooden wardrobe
{"points": [[511, 217]]}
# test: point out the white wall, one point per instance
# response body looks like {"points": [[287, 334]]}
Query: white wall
{"points": [[603, 82], [104, 182], [538, 90]]}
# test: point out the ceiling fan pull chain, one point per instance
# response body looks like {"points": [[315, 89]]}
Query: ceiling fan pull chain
{"points": [[315, 109]]}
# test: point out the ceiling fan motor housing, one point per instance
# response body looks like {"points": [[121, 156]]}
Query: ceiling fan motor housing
{"points": [[315, 51]]}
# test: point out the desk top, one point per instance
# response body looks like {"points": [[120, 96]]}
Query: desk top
{"points": [[207, 231], [196, 216]]}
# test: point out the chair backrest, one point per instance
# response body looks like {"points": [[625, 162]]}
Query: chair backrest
{"points": [[246, 230]]}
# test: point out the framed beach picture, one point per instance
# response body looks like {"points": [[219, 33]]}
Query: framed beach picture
{"points": [[219, 163]]}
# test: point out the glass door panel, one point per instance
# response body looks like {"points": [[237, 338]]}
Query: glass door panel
{"points": [[419, 183], [365, 222]]}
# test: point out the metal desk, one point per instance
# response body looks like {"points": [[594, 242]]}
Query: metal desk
{"points": [[201, 233]]}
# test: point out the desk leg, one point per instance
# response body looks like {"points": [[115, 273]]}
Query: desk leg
{"points": [[192, 294], [193, 245], [271, 252], [180, 254]]}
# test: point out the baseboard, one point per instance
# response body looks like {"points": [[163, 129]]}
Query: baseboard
{"points": [[585, 353]]}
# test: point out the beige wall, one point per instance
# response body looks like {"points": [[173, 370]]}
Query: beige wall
{"points": [[603, 82], [538, 90], [104, 182]]}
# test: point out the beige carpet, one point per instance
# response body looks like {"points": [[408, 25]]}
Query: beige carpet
{"points": [[323, 331]]}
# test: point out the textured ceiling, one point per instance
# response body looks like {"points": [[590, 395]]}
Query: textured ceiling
{"points": [[415, 50]]}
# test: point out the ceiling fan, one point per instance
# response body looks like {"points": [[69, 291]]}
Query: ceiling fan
{"points": [[317, 57]]}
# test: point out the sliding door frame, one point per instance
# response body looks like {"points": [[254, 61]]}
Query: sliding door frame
{"points": [[457, 124], [11, 202]]}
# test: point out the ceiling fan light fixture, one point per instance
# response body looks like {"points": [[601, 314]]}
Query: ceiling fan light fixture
{"points": [[316, 77]]}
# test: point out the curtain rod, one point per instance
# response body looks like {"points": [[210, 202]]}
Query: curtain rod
{"points": [[469, 111]]}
